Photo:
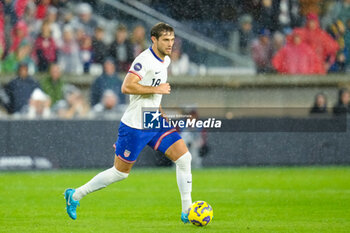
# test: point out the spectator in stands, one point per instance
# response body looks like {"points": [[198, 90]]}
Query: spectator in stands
{"points": [[262, 52], [69, 53], [99, 48], [4, 99], [73, 106], [85, 18], [327, 18], [278, 41], [20, 89], [347, 45], [340, 11], [86, 53], [337, 31], [53, 84], [138, 40], [288, 14], [268, 16], [319, 40], [10, 13], [31, 21], [2, 32], [109, 107], [80, 34], [56, 32], [320, 105], [310, 6], [121, 49], [20, 55], [59, 3], [69, 19], [9, 22], [20, 48], [41, 9], [45, 48], [342, 107], [180, 62], [248, 7], [108, 80], [297, 57], [19, 34], [245, 33], [38, 106], [20, 7]]}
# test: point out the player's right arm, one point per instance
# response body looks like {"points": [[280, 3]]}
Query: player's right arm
{"points": [[132, 86]]}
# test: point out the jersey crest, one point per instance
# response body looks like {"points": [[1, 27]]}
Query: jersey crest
{"points": [[137, 67]]}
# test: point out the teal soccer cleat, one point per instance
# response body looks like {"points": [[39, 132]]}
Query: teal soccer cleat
{"points": [[184, 217], [71, 205]]}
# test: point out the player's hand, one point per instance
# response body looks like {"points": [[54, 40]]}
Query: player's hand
{"points": [[163, 88]]}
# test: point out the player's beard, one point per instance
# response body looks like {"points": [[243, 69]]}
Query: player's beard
{"points": [[163, 52]]}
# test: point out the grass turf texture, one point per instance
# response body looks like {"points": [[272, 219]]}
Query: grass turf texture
{"points": [[314, 199]]}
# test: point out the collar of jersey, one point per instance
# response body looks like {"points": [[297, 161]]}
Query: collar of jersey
{"points": [[155, 55]]}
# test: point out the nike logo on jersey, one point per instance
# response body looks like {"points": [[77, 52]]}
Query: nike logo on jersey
{"points": [[157, 72]]}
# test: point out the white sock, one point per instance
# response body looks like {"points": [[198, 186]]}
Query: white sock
{"points": [[184, 180], [100, 181]]}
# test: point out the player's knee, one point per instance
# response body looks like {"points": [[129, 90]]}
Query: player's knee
{"points": [[184, 162]]}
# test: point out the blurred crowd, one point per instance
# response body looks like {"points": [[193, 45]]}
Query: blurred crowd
{"points": [[284, 36], [272, 32], [341, 107], [45, 36], [45, 31], [297, 36], [26, 98], [41, 32]]}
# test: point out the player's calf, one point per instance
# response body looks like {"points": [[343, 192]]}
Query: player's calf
{"points": [[100, 181], [184, 182]]}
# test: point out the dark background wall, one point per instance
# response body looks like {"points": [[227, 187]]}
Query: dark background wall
{"points": [[89, 144]]}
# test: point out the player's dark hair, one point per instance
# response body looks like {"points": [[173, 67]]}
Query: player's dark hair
{"points": [[158, 29]]}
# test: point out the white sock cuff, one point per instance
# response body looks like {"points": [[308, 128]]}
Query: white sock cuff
{"points": [[122, 175], [184, 160]]}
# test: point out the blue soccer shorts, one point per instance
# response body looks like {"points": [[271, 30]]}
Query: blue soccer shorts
{"points": [[131, 141]]}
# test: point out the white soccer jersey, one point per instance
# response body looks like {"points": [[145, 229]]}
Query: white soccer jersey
{"points": [[152, 71]]}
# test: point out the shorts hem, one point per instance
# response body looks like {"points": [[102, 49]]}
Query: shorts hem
{"points": [[125, 160]]}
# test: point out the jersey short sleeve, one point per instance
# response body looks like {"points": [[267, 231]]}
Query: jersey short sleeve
{"points": [[139, 67]]}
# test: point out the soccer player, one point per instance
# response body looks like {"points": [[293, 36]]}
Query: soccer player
{"points": [[145, 82]]}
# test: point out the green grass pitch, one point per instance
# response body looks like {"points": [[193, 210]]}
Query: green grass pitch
{"points": [[307, 199]]}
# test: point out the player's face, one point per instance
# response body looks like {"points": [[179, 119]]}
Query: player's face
{"points": [[165, 43]]}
